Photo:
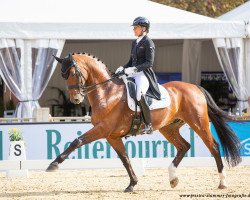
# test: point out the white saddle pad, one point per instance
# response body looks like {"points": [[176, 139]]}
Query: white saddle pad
{"points": [[156, 104]]}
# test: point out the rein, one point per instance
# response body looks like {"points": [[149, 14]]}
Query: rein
{"points": [[87, 89]]}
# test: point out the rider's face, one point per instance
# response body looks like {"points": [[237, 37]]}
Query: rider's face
{"points": [[138, 30]]}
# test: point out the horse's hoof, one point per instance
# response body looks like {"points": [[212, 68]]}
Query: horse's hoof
{"points": [[174, 182], [222, 186], [129, 189], [52, 167]]}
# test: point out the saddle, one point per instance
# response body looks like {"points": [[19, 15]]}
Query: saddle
{"points": [[132, 91], [133, 104], [152, 102]]}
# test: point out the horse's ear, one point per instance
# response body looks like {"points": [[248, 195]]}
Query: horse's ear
{"points": [[58, 59], [70, 57]]}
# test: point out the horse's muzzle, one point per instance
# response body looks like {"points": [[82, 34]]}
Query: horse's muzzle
{"points": [[77, 99]]}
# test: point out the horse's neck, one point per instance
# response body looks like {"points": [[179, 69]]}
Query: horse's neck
{"points": [[99, 74], [103, 99]]}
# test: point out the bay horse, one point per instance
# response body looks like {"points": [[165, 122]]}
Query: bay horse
{"points": [[112, 118]]}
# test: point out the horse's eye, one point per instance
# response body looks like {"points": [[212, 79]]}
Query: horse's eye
{"points": [[65, 76]]}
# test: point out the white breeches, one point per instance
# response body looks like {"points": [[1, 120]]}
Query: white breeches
{"points": [[142, 84]]}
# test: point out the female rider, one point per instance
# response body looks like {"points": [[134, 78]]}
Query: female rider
{"points": [[140, 66]]}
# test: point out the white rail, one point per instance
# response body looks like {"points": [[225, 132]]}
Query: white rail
{"points": [[113, 163], [71, 119], [51, 119], [16, 120]]}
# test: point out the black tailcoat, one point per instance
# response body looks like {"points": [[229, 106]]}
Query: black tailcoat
{"points": [[142, 57]]}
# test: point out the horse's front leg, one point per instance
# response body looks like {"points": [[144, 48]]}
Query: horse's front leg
{"points": [[93, 134], [118, 146]]}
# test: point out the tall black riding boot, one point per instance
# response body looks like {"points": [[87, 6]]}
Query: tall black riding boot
{"points": [[146, 115]]}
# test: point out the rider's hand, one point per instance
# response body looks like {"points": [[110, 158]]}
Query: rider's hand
{"points": [[130, 70], [119, 69]]}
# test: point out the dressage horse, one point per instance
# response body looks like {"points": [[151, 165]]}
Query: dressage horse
{"points": [[112, 118]]}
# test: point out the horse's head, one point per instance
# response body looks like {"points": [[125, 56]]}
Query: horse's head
{"points": [[75, 76]]}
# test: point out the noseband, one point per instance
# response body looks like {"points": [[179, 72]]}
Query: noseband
{"points": [[83, 90]]}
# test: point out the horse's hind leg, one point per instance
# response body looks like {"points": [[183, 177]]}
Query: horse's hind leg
{"points": [[171, 133], [201, 127]]}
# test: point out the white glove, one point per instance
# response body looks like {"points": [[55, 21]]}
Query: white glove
{"points": [[119, 69], [130, 70]]}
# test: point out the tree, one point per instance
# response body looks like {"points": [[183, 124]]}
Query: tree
{"points": [[211, 8]]}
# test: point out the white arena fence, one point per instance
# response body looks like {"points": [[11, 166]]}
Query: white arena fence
{"points": [[45, 141], [139, 164], [50, 119]]}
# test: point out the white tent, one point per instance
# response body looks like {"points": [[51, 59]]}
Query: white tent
{"points": [[31, 31], [234, 55], [239, 13], [109, 19]]}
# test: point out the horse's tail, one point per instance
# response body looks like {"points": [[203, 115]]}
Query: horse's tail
{"points": [[228, 139]]}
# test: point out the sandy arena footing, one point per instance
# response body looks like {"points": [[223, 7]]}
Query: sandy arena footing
{"points": [[109, 184]]}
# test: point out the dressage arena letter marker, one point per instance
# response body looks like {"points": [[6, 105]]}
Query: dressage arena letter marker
{"points": [[18, 150], [17, 153]]}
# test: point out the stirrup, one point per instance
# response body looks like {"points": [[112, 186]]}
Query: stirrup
{"points": [[148, 129]]}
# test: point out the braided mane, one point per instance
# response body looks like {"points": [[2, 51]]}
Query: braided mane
{"points": [[67, 63], [88, 54]]}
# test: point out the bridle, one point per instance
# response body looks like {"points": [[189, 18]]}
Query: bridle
{"points": [[83, 90]]}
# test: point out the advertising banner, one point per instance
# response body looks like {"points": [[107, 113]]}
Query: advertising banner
{"points": [[47, 141]]}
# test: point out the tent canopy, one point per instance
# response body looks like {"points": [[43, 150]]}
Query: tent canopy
{"points": [[109, 19], [242, 12], [234, 56]]}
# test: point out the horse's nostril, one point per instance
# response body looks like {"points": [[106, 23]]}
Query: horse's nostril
{"points": [[76, 100]]}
